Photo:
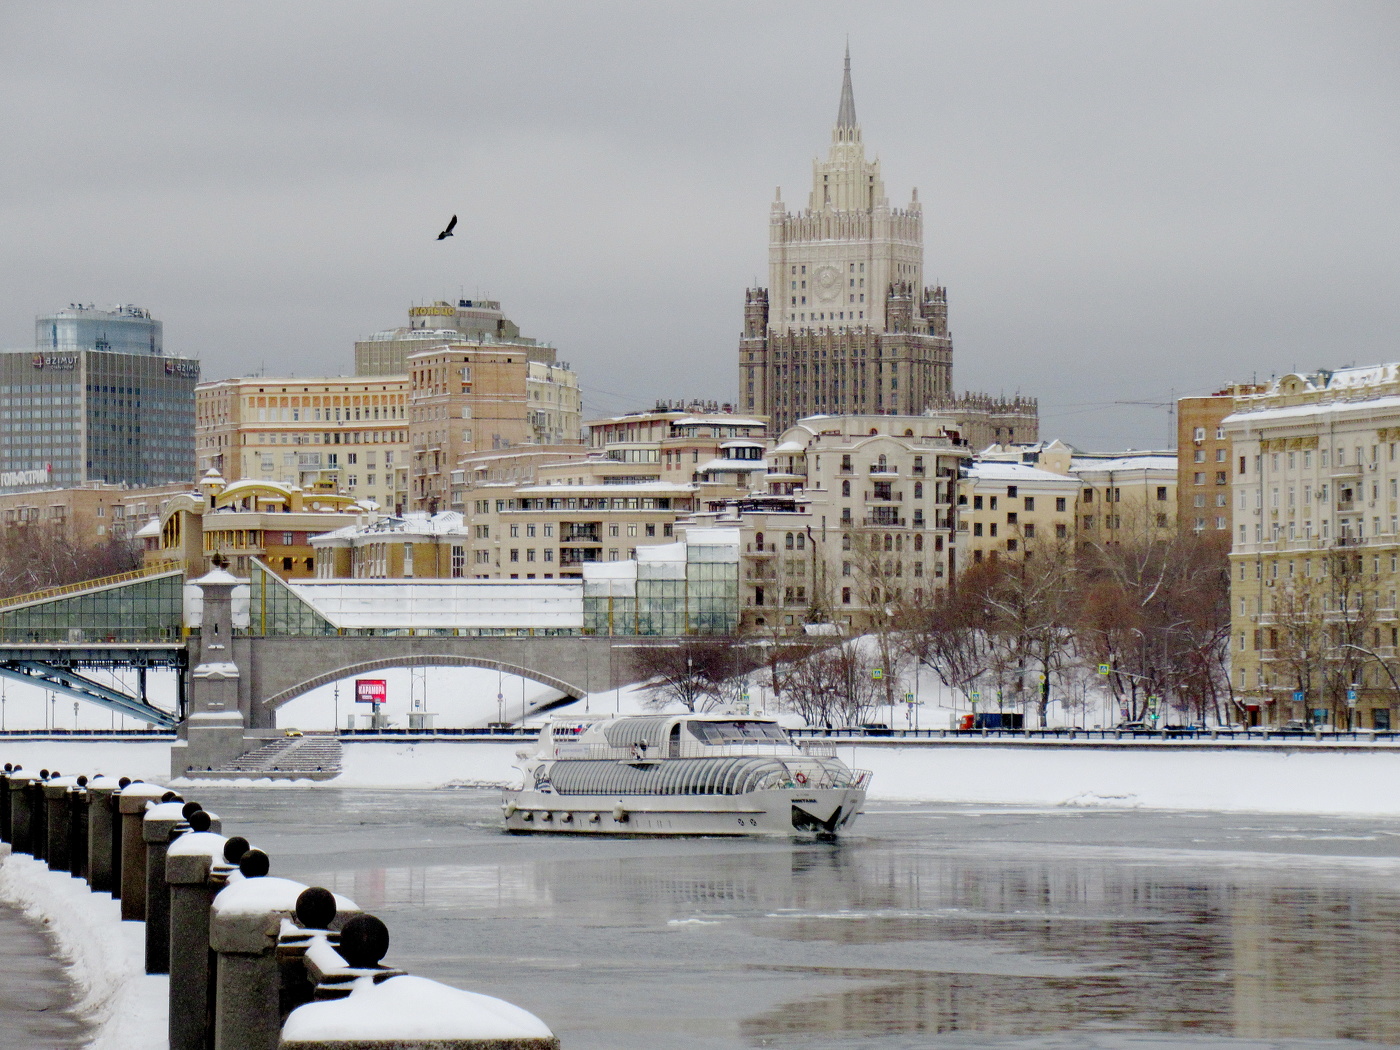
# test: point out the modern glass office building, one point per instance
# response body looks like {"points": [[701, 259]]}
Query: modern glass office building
{"points": [[77, 413], [122, 329]]}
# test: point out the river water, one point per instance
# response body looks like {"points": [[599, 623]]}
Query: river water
{"points": [[927, 926]]}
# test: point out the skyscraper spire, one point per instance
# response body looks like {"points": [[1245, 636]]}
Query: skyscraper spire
{"points": [[846, 115]]}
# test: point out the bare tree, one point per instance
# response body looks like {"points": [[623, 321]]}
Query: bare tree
{"points": [[953, 634], [699, 673], [33, 557], [833, 686], [1030, 606]]}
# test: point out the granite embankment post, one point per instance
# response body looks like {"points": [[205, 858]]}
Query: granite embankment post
{"points": [[255, 962]]}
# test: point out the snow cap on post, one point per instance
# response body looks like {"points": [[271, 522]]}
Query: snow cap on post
{"points": [[411, 1011]]}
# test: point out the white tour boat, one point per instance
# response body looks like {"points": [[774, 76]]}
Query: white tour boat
{"points": [[681, 775]]}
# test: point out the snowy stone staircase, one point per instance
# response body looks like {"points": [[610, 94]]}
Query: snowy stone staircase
{"points": [[314, 757]]}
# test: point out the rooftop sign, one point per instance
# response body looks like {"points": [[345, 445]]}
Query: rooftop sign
{"points": [[12, 478]]}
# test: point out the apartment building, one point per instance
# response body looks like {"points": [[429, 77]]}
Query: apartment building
{"points": [[1011, 510], [860, 516], [1125, 497], [1315, 563], [86, 514], [350, 434], [1204, 452], [467, 398]]}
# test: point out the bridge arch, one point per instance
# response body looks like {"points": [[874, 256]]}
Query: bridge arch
{"points": [[290, 693]]}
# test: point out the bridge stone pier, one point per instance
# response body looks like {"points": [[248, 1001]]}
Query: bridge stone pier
{"points": [[239, 680]]}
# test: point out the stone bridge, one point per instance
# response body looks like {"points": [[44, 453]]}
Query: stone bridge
{"points": [[240, 649], [239, 679]]}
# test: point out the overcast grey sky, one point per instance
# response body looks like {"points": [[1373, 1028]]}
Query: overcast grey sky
{"points": [[1126, 201]]}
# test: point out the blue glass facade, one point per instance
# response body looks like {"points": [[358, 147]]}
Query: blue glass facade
{"points": [[122, 330]]}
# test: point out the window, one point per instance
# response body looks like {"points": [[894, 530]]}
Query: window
{"points": [[1162, 492], [514, 555]]}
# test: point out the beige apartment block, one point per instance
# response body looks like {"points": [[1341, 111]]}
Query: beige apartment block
{"points": [[1122, 497], [346, 433], [859, 518], [469, 398], [1125, 497], [551, 532], [1315, 563], [1009, 510], [86, 514]]}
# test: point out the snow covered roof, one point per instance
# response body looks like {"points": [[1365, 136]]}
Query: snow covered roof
{"points": [[1311, 411], [718, 421], [1016, 472], [510, 604], [743, 466], [1126, 461], [148, 530]]}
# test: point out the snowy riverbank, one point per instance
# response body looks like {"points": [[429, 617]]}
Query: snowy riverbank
{"points": [[104, 958], [1285, 778]]}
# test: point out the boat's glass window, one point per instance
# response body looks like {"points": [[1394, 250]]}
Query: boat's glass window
{"points": [[738, 732]]}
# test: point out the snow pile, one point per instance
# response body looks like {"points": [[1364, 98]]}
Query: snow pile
{"points": [[105, 958], [410, 1009]]}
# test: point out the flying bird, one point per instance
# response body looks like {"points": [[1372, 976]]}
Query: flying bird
{"points": [[448, 232]]}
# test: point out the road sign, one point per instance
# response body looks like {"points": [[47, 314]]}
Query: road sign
{"points": [[1298, 696], [1104, 669], [1351, 697], [908, 698], [878, 673], [974, 695]]}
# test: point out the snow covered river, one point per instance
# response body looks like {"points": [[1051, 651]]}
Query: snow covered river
{"points": [[930, 926]]}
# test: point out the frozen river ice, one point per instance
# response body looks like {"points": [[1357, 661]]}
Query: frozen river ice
{"points": [[929, 926]]}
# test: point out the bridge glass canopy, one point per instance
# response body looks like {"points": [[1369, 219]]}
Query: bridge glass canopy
{"points": [[145, 610]]}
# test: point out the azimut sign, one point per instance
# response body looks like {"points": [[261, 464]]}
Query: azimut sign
{"points": [[14, 478], [56, 362]]}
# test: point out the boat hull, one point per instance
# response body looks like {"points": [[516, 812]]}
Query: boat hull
{"points": [[779, 811]]}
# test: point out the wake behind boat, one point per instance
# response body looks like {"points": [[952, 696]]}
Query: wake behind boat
{"points": [[681, 775]]}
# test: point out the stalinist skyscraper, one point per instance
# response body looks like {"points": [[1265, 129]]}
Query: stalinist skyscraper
{"points": [[846, 325]]}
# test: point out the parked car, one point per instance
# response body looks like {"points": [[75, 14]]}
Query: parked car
{"points": [[875, 729], [1133, 726]]}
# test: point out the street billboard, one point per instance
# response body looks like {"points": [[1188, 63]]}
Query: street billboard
{"points": [[371, 690]]}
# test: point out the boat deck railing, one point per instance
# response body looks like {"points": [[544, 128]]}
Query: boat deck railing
{"points": [[816, 780], [641, 753]]}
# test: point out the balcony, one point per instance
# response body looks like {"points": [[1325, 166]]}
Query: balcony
{"points": [[579, 534], [884, 521], [884, 496], [577, 556]]}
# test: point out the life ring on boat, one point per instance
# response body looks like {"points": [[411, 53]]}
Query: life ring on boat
{"points": [[801, 778]]}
